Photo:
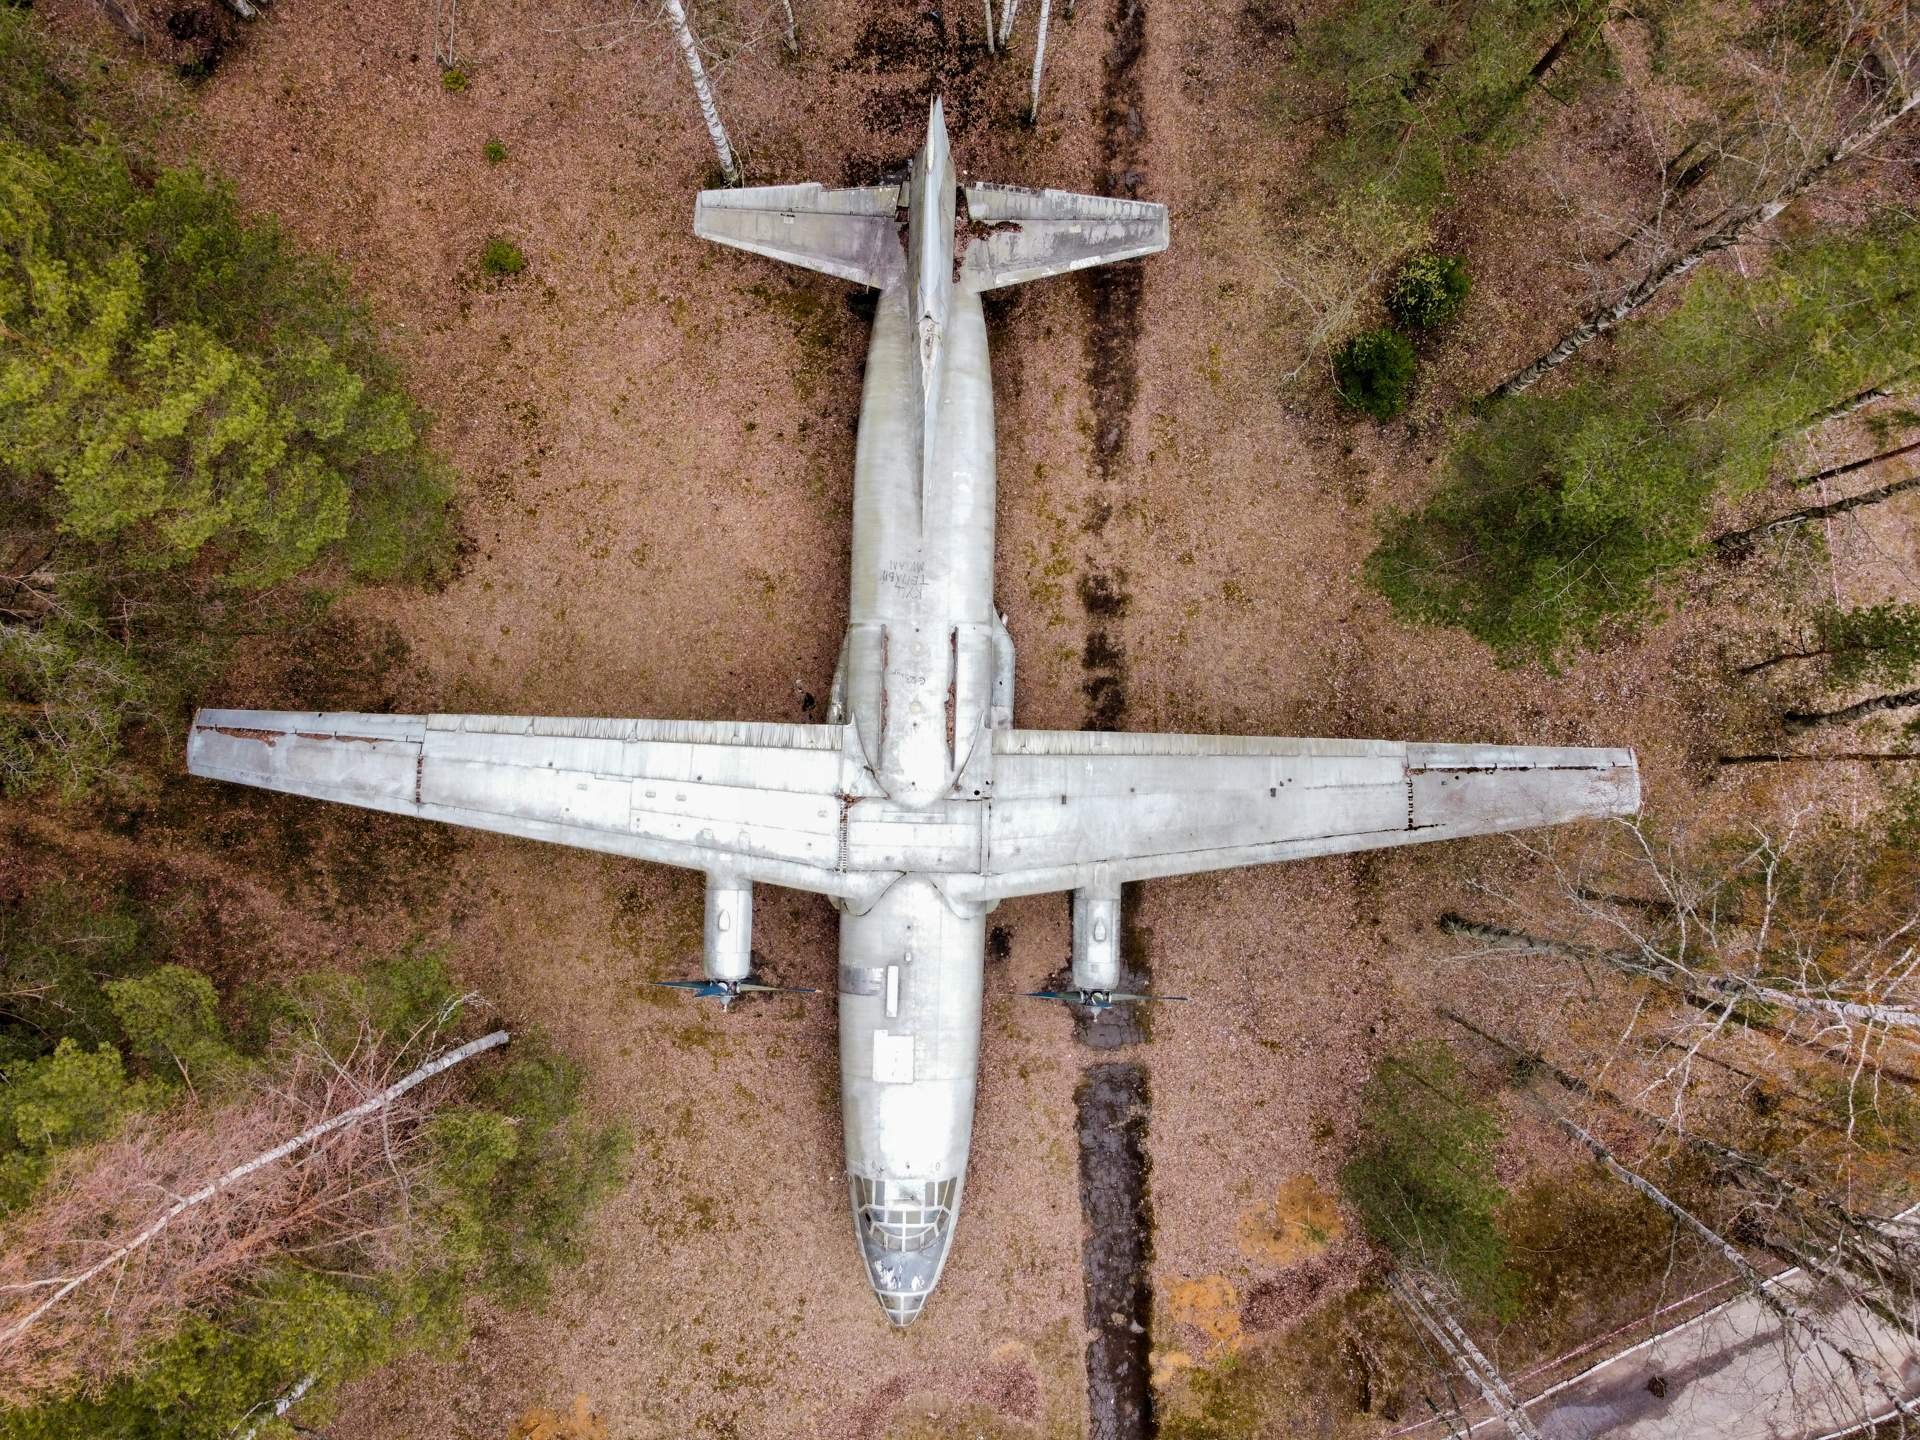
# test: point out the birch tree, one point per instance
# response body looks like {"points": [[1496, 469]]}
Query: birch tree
{"points": [[1798, 720], [1877, 643], [1807, 128], [702, 90], [1736, 541], [1008, 10], [1423, 1303], [1039, 63]]}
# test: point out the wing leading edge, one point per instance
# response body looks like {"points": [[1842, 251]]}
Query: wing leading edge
{"points": [[761, 802], [1070, 808]]}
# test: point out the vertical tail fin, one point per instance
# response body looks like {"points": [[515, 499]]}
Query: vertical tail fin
{"points": [[930, 242]]}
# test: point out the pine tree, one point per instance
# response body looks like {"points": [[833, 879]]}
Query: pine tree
{"points": [[1560, 514], [190, 411], [1426, 89]]}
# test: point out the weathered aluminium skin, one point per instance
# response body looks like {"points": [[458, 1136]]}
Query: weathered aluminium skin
{"points": [[917, 806]]}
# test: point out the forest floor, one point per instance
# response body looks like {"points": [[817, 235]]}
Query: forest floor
{"points": [[654, 439]]}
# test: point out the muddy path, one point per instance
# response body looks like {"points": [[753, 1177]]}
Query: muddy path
{"points": [[1111, 1124], [1113, 1099]]}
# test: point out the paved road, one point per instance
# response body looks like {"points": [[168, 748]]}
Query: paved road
{"points": [[1727, 1375]]}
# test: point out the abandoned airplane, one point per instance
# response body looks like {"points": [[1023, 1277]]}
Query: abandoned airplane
{"points": [[917, 806]]}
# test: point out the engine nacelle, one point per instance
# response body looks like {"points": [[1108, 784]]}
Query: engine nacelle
{"points": [[1096, 936], [727, 939]]}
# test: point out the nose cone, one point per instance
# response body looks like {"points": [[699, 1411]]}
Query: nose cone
{"points": [[904, 1228]]}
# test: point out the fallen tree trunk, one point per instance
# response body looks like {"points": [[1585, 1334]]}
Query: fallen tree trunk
{"points": [[370, 1106]]}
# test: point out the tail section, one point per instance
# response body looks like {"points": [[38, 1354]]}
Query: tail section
{"points": [[1011, 234], [930, 210]]}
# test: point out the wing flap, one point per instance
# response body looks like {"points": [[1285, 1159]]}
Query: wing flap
{"points": [[848, 233], [762, 802]]}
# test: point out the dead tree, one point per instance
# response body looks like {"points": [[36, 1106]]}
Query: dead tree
{"points": [[1797, 1220], [1420, 1299], [1804, 1329], [1825, 966], [702, 90], [1709, 989], [1778, 187], [328, 1179], [1736, 542]]}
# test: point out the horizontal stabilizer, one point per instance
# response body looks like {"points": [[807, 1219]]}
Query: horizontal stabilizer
{"points": [[1022, 234], [849, 233]]}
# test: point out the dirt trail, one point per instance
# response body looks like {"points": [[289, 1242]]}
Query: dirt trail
{"points": [[1112, 1128], [1113, 1100]]}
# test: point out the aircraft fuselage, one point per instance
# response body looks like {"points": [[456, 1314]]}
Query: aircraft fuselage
{"points": [[925, 672]]}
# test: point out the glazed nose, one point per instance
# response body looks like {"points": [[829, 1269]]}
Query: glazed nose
{"points": [[904, 1228]]}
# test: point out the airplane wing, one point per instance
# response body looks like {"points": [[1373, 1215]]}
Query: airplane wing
{"points": [[1069, 806], [849, 233], [1029, 234], [753, 801]]}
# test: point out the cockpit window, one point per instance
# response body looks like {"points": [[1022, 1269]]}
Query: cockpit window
{"points": [[903, 1215]]}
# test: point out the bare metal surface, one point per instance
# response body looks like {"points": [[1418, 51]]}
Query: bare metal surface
{"points": [[918, 808]]}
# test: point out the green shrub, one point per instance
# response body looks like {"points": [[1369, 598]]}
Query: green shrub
{"points": [[495, 152], [1422, 1180], [453, 79], [171, 1019], [500, 258], [60, 1100], [1373, 372], [1429, 291]]}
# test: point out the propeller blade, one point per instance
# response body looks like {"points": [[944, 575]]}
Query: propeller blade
{"points": [[728, 991], [1118, 995]]}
